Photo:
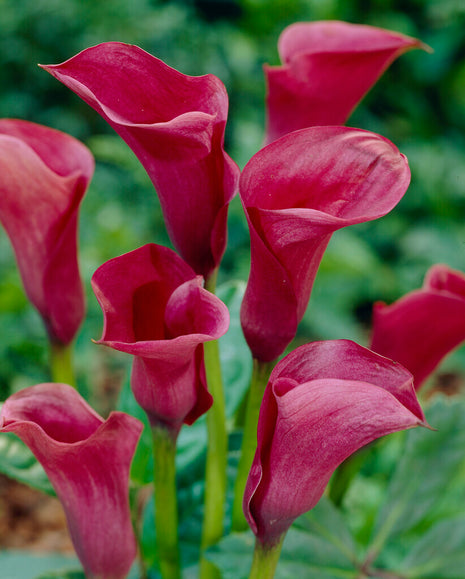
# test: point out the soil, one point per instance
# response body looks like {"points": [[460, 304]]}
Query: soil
{"points": [[31, 520]]}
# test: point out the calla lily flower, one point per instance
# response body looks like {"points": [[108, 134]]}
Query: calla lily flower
{"points": [[296, 192], [323, 402], [328, 67], [156, 309], [422, 327], [175, 126], [87, 460], [44, 174]]}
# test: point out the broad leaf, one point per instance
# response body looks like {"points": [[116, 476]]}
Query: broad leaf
{"points": [[425, 477], [15, 564], [18, 462], [236, 359], [318, 545], [428, 464], [439, 554]]}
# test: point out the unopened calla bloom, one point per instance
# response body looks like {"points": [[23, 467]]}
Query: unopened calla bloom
{"points": [[175, 126], [156, 309], [87, 460], [44, 174], [296, 192], [323, 402], [327, 68], [422, 327]]}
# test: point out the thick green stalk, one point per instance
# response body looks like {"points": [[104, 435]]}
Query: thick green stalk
{"points": [[265, 559], [261, 373], [215, 470], [61, 363], [166, 506]]}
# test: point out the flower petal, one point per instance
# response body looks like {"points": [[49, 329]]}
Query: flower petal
{"points": [[318, 59], [156, 309], [175, 126], [87, 461], [422, 327], [44, 175], [296, 192], [323, 402]]}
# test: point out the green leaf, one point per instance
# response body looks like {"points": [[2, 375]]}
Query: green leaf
{"points": [[236, 359], [18, 462], [15, 564], [427, 468], [233, 555], [63, 575], [439, 554], [326, 521], [318, 545]]}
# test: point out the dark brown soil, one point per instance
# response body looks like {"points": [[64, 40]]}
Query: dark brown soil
{"points": [[31, 520]]}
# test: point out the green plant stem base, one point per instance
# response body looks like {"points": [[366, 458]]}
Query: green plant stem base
{"points": [[261, 373], [265, 559], [217, 449], [61, 363], [165, 498]]}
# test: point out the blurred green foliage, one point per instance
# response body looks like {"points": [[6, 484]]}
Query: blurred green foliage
{"points": [[419, 104]]}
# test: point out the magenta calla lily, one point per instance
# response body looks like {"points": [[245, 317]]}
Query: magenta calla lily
{"points": [[323, 402], [175, 125], [156, 309], [44, 174], [422, 327], [87, 460], [327, 68], [296, 192]]}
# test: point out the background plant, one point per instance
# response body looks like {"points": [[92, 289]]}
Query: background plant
{"points": [[418, 104]]}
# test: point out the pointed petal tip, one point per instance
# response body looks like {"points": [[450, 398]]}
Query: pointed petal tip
{"points": [[425, 424]]}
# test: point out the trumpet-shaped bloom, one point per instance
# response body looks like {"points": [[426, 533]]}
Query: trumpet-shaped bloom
{"points": [[296, 192], [87, 460], [175, 126], [423, 326], [44, 174], [327, 69], [323, 402], [156, 309]]}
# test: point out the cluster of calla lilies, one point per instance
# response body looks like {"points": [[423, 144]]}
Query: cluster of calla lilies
{"points": [[307, 412]]}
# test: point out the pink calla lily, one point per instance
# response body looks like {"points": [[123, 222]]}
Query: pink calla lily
{"points": [[422, 327], [296, 192], [87, 460], [323, 402], [175, 126], [328, 67], [44, 174], [156, 309]]}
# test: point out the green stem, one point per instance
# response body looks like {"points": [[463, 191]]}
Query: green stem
{"points": [[216, 462], [261, 373], [265, 559], [61, 363], [166, 508]]}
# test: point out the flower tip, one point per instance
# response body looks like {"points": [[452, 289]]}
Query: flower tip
{"points": [[425, 424], [426, 47]]}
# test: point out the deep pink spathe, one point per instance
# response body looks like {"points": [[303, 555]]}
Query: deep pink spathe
{"points": [[87, 460]]}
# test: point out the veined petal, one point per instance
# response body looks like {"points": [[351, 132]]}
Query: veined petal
{"points": [[296, 192], [422, 327], [318, 59], [323, 402], [156, 309], [174, 124], [87, 460], [44, 175]]}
